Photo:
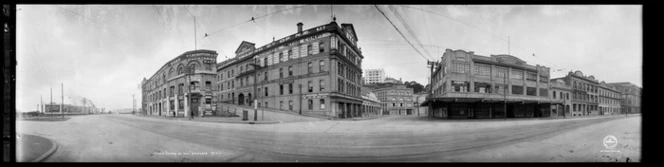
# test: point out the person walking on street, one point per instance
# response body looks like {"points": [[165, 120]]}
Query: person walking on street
{"points": [[191, 116]]}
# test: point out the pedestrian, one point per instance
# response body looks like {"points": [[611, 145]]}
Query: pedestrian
{"points": [[191, 116]]}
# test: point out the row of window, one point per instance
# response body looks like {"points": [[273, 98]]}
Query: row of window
{"points": [[485, 70], [310, 104], [583, 107], [608, 101], [584, 86], [585, 97], [609, 93], [561, 96], [348, 73], [310, 88], [486, 88], [192, 67], [395, 99], [161, 94], [347, 87], [310, 69], [395, 105]]}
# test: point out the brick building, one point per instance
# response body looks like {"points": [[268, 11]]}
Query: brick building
{"points": [[630, 97], [312, 72], [466, 85], [182, 86], [584, 93], [609, 99], [560, 98], [396, 99]]}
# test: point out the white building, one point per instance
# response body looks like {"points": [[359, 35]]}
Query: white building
{"points": [[374, 76]]}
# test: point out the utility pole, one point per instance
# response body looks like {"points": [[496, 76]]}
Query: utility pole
{"points": [[51, 96], [300, 86], [134, 102], [41, 102], [430, 64], [505, 93], [508, 44], [62, 98], [195, 41]]}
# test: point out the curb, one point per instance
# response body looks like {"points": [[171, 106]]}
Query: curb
{"points": [[244, 122], [233, 122], [48, 153]]}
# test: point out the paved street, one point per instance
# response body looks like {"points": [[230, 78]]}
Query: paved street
{"points": [[101, 138]]}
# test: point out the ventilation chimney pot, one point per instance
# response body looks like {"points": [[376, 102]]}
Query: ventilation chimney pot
{"points": [[299, 27]]}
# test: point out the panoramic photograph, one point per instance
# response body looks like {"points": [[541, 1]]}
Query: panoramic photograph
{"points": [[328, 83]]}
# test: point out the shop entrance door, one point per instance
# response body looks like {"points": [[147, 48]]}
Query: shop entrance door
{"points": [[194, 105]]}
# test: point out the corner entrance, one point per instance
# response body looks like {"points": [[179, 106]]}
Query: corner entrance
{"points": [[194, 105]]}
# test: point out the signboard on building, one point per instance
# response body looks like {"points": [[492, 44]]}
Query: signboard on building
{"points": [[316, 96], [196, 78]]}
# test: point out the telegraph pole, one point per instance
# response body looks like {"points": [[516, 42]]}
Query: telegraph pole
{"points": [[430, 91], [508, 44], [51, 96], [41, 102], [62, 98], [195, 43], [134, 102], [505, 93]]}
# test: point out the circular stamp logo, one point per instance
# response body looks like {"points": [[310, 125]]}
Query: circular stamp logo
{"points": [[610, 142]]}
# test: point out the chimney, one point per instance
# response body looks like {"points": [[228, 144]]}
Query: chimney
{"points": [[299, 27]]}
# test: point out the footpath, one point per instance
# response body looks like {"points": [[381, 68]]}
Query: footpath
{"points": [[32, 148]]}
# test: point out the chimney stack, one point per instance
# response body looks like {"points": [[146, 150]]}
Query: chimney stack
{"points": [[299, 27]]}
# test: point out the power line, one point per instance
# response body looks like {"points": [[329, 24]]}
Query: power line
{"points": [[499, 37], [253, 19], [428, 11], [408, 27], [395, 27], [93, 20]]}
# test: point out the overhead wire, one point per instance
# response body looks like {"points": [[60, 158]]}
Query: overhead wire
{"points": [[93, 20], [395, 27], [250, 20], [408, 28], [467, 24]]}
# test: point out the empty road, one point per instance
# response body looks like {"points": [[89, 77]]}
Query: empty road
{"points": [[128, 138]]}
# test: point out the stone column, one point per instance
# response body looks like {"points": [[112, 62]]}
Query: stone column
{"points": [[168, 106], [177, 105], [186, 105]]}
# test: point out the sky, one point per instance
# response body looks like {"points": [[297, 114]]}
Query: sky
{"points": [[102, 52]]}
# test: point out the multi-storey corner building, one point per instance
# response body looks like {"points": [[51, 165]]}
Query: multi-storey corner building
{"points": [[312, 72], [396, 99], [584, 93], [560, 98], [182, 87], [609, 99], [630, 97], [374, 76], [466, 85]]}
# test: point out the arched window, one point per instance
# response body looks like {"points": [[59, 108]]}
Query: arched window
{"points": [[170, 72], [192, 68], [180, 70]]}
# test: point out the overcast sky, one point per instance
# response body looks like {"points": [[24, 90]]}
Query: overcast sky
{"points": [[103, 52]]}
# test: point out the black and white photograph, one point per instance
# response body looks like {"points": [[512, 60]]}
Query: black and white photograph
{"points": [[328, 83]]}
